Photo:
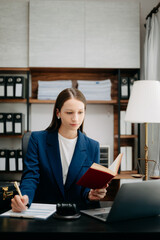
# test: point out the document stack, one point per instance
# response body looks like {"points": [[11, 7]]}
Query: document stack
{"points": [[49, 90], [95, 90]]}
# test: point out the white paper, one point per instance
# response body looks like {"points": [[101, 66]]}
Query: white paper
{"points": [[41, 211], [128, 128], [1, 91], [12, 164], [9, 127], [124, 91], [9, 91], [124, 161], [129, 158], [18, 90], [1, 127], [17, 128], [2, 164], [126, 164], [20, 164], [122, 123]]}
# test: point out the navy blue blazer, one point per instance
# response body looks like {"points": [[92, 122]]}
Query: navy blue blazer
{"points": [[42, 177]]}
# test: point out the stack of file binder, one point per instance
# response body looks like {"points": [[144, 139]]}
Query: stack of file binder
{"points": [[49, 90], [95, 90], [12, 123], [11, 160], [12, 87]]}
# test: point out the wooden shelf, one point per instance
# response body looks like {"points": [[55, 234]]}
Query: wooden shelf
{"points": [[126, 175], [11, 136], [14, 70], [124, 102], [11, 100], [74, 74], [126, 136], [102, 102], [37, 101]]}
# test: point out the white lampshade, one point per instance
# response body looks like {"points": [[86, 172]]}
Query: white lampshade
{"points": [[144, 102]]}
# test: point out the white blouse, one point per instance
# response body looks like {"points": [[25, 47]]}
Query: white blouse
{"points": [[67, 147]]}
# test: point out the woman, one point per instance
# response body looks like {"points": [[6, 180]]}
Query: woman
{"points": [[57, 157]]}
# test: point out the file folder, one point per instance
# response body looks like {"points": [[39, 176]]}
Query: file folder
{"points": [[9, 87], [3, 160], [9, 124], [2, 123], [124, 88], [19, 160], [12, 160], [18, 120], [2, 87], [131, 82], [126, 164], [19, 87]]}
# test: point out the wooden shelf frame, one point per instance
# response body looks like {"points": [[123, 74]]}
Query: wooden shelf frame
{"points": [[74, 74], [14, 70], [13, 100], [11, 136], [37, 101]]}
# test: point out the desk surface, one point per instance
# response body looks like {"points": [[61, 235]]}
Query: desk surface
{"points": [[14, 228]]}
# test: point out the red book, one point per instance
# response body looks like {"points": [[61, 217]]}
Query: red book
{"points": [[97, 176]]}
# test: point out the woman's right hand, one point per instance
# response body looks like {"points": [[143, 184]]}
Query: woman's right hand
{"points": [[18, 204]]}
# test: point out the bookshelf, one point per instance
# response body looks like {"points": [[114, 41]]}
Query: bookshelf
{"points": [[14, 104], [51, 74], [74, 74]]}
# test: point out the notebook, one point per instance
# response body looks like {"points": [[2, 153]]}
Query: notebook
{"points": [[133, 201], [37, 210]]}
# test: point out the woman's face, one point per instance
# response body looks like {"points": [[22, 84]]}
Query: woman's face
{"points": [[72, 114]]}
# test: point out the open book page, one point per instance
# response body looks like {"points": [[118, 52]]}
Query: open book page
{"points": [[116, 163], [102, 168], [41, 211], [97, 176]]}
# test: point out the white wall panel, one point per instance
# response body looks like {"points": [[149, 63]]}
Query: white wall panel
{"points": [[112, 34], [56, 34], [13, 33]]}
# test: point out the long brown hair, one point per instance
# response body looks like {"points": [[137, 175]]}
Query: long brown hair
{"points": [[63, 96]]}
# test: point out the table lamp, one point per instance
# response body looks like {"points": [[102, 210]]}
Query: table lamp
{"points": [[144, 107]]}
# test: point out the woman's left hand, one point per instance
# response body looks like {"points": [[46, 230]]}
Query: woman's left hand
{"points": [[97, 194]]}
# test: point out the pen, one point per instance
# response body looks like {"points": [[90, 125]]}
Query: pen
{"points": [[18, 190]]}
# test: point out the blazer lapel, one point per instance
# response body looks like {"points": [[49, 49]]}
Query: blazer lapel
{"points": [[78, 159], [54, 158]]}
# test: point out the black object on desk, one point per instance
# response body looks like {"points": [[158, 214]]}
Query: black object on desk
{"points": [[66, 211]]}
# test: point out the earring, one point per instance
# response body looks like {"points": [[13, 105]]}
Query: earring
{"points": [[58, 117]]}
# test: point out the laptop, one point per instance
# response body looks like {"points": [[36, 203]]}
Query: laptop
{"points": [[133, 201]]}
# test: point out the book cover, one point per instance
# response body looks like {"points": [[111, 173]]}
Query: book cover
{"points": [[97, 176]]}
